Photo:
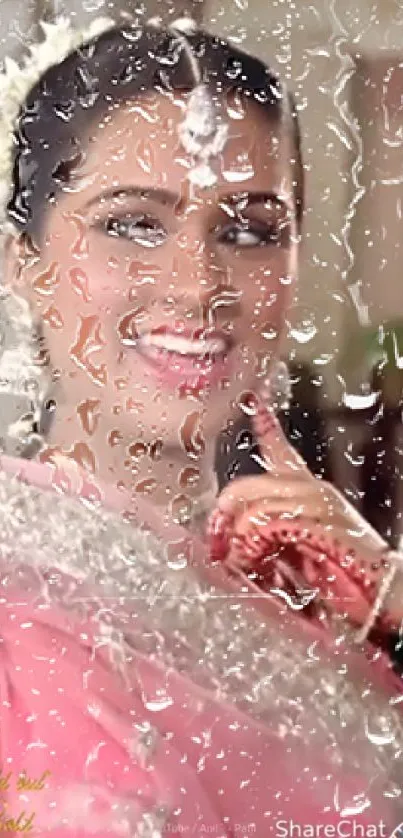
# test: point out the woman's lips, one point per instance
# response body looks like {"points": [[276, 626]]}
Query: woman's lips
{"points": [[187, 358]]}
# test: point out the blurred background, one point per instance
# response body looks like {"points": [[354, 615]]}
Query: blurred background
{"points": [[344, 61]]}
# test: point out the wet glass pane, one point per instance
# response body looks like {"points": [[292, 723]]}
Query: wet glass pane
{"points": [[201, 445]]}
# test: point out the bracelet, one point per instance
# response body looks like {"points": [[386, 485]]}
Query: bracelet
{"points": [[394, 557]]}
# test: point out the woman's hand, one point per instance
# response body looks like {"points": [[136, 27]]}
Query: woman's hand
{"points": [[334, 549]]}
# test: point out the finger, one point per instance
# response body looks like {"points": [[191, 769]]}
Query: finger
{"points": [[242, 491], [277, 453]]}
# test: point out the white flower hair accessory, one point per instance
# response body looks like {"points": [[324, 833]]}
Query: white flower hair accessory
{"points": [[24, 382], [17, 81]]}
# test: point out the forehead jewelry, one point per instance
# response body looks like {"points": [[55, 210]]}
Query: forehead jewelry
{"points": [[202, 133]]}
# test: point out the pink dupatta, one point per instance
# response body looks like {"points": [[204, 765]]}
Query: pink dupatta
{"points": [[148, 750]]}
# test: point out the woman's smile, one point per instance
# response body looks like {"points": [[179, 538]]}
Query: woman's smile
{"points": [[196, 358]]}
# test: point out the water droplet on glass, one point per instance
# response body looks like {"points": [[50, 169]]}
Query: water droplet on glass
{"points": [[156, 449], [191, 437], [137, 450], [64, 110], [79, 247], [89, 342], [127, 329], [247, 403], [244, 441], [304, 330], [234, 68], [89, 417], [380, 730], [189, 477], [79, 283], [181, 509], [360, 401], [92, 5], [178, 554], [159, 703], [269, 332], [145, 156], [115, 438], [146, 486], [53, 318], [48, 280]]}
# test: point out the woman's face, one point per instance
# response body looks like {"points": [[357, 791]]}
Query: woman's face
{"points": [[161, 301]]}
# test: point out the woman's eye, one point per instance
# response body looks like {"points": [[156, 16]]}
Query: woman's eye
{"points": [[250, 235], [140, 229]]}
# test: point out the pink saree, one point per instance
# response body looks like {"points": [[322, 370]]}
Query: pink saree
{"points": [[145, 693]]}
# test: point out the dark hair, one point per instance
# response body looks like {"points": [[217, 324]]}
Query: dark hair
{"points": [[118, 65]]}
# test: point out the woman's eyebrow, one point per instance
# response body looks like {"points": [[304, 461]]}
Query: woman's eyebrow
{"points": [[248, 199], [161, 196]]}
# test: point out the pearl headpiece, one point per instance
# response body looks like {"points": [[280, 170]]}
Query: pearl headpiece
{"points": [[203, 136]]}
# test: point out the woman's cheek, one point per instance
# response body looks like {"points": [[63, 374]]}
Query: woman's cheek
{"points": [[264, 309]]}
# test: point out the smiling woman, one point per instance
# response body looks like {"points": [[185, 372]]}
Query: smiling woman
{"points": [[161, 260], [156, 207]]}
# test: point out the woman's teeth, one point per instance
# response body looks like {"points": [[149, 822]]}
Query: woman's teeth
{"points": [[182, 346]]}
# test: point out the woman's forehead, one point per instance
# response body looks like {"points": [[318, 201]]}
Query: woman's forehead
{"points": [[138, 144]]}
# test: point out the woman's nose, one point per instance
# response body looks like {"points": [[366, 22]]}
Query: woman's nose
{"points": [[206, 297], [200, 279]]}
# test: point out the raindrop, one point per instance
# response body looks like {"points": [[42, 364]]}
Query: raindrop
{"points": [[305, 331], [50, 406], [269, 332], [189, 477], [89, 341], [247, 403], [53, 318], [379, 731], [178, 554], [79, 282], [234, 68], [69, 173], [145, 156], [137, 450], [80, 247], [89, 417], [355, 461], [181, 509], [244, 440], [156, 449], [142, 274], [158, 703], [241, 171], [127, 330], [360, 401], [115, 438], [147, 486], [87, 87], [64, 110], [92, 5], [48, 280], [191, 437]]}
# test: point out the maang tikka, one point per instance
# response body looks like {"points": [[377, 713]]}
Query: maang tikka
{"points": [[202, 133]]}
